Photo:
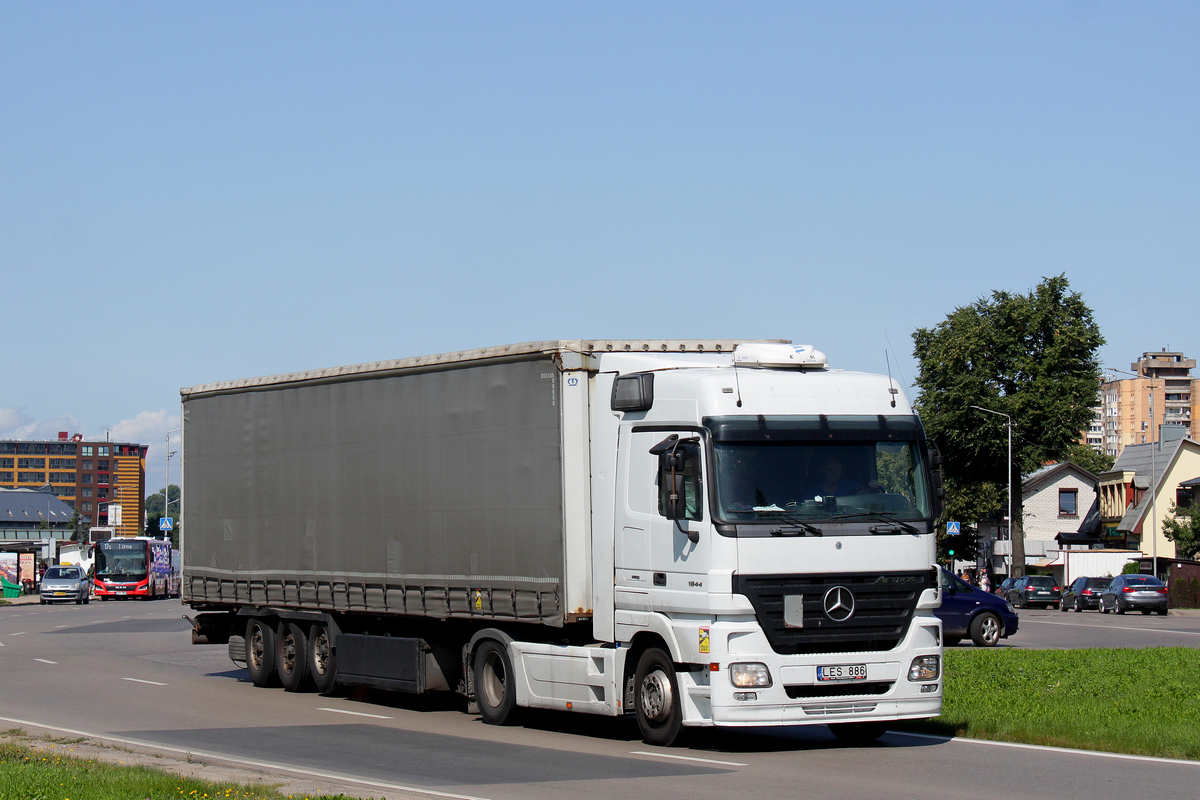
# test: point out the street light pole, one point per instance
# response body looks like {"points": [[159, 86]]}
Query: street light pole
{"points": [[1153, 476], [1008, 419]]}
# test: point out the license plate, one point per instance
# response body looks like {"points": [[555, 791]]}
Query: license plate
{"points": [[842, 672], [56, 594], [122, 593]]}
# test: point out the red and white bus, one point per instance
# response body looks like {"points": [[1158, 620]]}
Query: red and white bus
{"points": [[135, 566]]}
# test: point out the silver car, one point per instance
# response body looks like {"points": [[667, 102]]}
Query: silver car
{"points": [[66, 585]]}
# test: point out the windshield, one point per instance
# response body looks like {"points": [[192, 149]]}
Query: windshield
{"points": [[1041, 580], [1143, 581], [859, 474], [121, 560], [61, 572]]}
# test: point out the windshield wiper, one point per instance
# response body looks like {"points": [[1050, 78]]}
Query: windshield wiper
{"points": [[893, 526], [807, 527]]}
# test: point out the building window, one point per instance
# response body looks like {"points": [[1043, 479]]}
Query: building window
{"points": [[87, 492], [6, 477], [7, 463], [85, 478], [1184, 496], [102, 492], [1068, 502], [31, 477], [86, 464], [62, 477], [87, 450], [101, 451], [62, 463], [85, 506], [101, 479], [102, 464], [31, 463], [8, 448], [31, 449]]}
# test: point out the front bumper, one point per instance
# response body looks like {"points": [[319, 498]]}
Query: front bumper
{"points": [[53, 594]]}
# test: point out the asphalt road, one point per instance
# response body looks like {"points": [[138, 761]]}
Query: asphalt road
{"points": [[127, 672], [1053, 629]]}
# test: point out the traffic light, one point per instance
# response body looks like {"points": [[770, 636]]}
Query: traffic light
{"points": [[951, 552]]}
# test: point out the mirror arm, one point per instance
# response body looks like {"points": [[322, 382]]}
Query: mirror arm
{"points": [[693, 536]]}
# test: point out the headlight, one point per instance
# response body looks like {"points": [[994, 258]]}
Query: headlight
{"points": [[75, 587], [925, 668], [1010, 608], [749, 675]]}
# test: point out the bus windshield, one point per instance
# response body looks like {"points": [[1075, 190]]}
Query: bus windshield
{"points": [[118, 560], [819, 471]]}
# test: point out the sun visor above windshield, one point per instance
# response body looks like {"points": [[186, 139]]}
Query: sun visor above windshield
{"points": [[818, 427], [767, 354]]}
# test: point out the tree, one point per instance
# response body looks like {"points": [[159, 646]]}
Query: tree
{"points": [[1030, 356], [1093, 461], [1183, 528], [154, 511]]}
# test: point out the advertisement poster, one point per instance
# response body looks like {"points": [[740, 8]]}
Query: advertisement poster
{"points": [[8, 567], [27, 573]]}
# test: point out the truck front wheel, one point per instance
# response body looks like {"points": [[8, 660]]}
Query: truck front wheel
{"points": [[495, 690], [322, 664], [260, 652], [291, 656], [656, 698]]}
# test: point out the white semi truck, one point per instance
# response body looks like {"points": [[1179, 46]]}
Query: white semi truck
{"points": [[694, 533]]}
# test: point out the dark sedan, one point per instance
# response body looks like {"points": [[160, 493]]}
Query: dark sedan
{"points": [[1083, 593], [969, 611], [1143, 593], [1034, 590]]}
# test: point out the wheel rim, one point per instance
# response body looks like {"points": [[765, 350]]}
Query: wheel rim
{"points": [[257, 650], [493, 684], [991, 630], [656, 696], [320, 652], [288, 652]]}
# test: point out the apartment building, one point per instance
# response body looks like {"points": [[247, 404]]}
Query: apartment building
{"points": [[1161, 392], [90, 477]]}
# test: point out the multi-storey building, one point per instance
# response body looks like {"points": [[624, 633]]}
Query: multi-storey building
{"points": [[90, 477], [1131, 410]]}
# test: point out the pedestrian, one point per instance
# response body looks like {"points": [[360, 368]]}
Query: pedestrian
{"points": [[984, 582]]}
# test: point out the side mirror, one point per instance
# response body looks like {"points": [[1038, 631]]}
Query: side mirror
{"points": [[935, 480], [679, 477]]}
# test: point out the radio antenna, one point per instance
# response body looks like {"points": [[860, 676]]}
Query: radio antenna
{"points": [[891, 389]]}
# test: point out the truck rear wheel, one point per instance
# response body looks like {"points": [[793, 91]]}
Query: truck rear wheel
{"points": [[495, 690], [656, 698], [322, 666], [291, 656], [260, 653]]}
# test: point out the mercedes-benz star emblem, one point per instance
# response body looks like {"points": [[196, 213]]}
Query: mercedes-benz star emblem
{"points": [[839, 604]]}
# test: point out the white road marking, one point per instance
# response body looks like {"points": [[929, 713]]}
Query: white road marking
{"points": [[688, 758], [1044, 748], [1122, 628], [62, 626], [139, 680], [312, 773], [44, 661], [354, 713], [19, 633]]}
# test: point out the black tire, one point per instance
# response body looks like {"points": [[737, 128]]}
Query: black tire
{"points": [[87, 600], [495, 688], [291, 656], [1062, 605], [1120, 609], [322, 663], [986, 630], [1078, 606], [1162, 612], [656, 699], [260, 653], [42, 600], [950, 641], [1102, 608], [858, 732]]}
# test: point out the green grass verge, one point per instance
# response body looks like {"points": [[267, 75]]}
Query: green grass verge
{"points": [[1144, 702], [27, 773]]}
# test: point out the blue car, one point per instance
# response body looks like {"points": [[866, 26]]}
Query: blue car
{"points": [[969, 611]]}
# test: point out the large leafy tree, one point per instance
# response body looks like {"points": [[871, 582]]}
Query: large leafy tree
{"points": [[1183, 528], [1030, 356]]}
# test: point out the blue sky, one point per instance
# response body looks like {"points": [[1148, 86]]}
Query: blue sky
{"points": [[206, 191]]}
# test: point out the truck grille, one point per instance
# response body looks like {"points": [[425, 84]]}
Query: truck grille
{"points": [[883, 608]]}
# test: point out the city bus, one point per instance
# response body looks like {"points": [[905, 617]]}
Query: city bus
{"points": [[135, 566]]}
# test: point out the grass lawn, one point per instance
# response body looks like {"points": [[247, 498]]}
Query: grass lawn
{"points": [[1145, 702], [27, 773]]}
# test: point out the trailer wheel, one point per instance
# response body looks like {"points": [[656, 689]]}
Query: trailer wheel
{"points": [[656, 698], [291, 656], [322, 665], [495, 690], [260, 653]]}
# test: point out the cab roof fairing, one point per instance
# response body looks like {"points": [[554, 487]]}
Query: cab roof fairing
{"points": [[679, 394]]}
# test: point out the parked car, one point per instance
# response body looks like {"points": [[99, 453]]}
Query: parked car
{"points": [[1005, 585], [967, 610], [1034, 590], [1083, 593], [1143, 593], [65, 585]]}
